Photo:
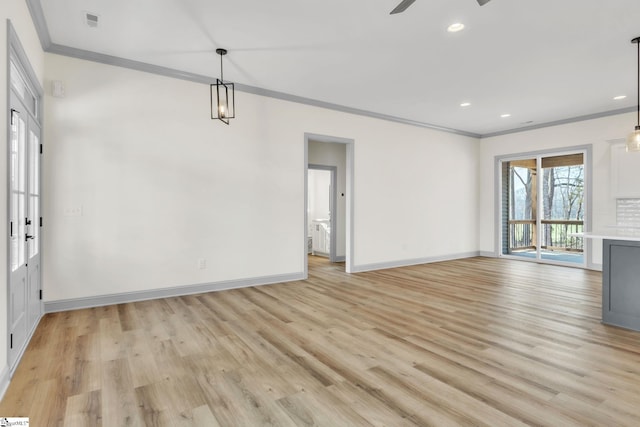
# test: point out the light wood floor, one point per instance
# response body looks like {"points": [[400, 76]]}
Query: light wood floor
{"points": [[470, 342]]}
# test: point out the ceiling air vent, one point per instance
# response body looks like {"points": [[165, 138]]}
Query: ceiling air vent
{"points": [[91, 20]]}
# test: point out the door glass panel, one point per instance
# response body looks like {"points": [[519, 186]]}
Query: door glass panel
{"points": [[34, 199], [17, 84], [17, 197], [34, 228], [21, 88], [520, 194], [562, 208], [13, 239], [34, 163]]}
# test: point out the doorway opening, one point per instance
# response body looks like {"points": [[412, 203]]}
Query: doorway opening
{"points": [[321, 217], [328, 201]]}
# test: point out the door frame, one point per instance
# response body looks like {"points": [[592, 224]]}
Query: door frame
{"points": [[333, 200], [588, 243], [18, 56], [349, 214]]}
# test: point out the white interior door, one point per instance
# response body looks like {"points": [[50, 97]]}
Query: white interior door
{"points": [[17, 235], [25, 308], [32, 226]]}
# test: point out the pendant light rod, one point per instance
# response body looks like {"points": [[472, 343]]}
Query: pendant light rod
{"points": [[637, 42], [221, 52]]}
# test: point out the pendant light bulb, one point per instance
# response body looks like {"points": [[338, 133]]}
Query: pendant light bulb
{"points": [[633, 140]]}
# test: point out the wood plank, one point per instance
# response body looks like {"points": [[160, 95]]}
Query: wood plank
{"points": [[84, 410], [118, 395], [477, 341]]}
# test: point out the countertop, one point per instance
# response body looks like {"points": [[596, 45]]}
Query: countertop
{"points": [[612, 233]]}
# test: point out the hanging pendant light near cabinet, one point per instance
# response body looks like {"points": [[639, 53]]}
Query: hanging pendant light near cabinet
{"points": [[633, 141], [223, 106]]}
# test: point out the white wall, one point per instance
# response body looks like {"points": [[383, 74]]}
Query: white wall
{"points": [[17, 12], [594, 132], [161, 185], [334, 154], [421, 193]]}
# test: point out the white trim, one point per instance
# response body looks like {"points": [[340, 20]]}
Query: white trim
{"points": [[40, 24], [176, 291], [488, 254], [561, 122], [349, 215], [544, 261], [408, 262], [5, 379], [595, 267]]}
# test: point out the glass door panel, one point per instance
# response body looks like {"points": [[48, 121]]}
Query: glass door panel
{"points": [[520, 209], [17, 191], [33, 228], [562, 208]]}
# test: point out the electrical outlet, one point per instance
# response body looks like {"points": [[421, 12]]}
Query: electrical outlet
{"points": [[202, 263], [73, 210]]}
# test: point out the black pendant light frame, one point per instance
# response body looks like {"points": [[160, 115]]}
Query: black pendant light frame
{"points": [[224, 107]]}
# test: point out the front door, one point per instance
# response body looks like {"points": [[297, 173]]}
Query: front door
{"points": [[24, 305]]}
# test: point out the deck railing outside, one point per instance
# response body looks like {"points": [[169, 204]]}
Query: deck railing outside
{"points": [[555, 235]]}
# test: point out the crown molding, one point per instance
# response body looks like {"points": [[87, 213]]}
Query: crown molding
{"points": [[561, 122]]}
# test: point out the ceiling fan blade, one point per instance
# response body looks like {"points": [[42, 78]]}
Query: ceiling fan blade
{"points": [[404, 4], [483, 2]]}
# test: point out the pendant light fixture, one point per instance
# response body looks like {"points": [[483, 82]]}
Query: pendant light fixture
{"points": [[633, 141], [223, 106]]}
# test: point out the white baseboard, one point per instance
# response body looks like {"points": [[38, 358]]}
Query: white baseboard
{"points": [[102, 300], [4, 382], [488, 254], [408, 262], [595, 267]]}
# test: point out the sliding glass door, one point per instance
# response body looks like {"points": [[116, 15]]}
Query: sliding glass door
{"points": [[543, 204]]}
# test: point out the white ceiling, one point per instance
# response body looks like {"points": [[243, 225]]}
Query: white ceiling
{"points": [[539, 60]]}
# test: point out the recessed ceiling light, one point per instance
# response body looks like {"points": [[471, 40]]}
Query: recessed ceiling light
{"points": [[455, 27], [504, 116], [619, 97], [465, 104]]}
